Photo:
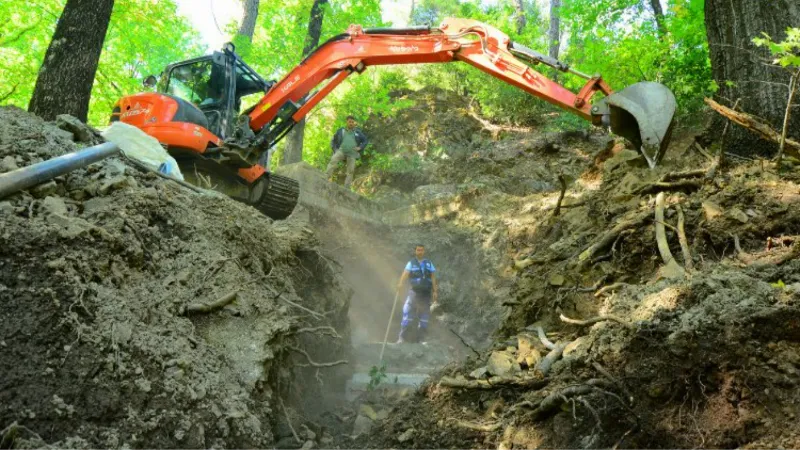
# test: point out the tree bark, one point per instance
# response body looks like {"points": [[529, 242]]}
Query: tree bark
{"points": [[248, 26], [293, 150], [739, 68], [658, 12], [555, 28], [64, 84], [520, 19]]}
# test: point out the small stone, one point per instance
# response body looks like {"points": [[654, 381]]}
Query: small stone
{"points": [[362, 425], [406, 435], [737, 214], [522, 263], [711, 210], [44, 189], [80, 131], [8, 164], [54, 205], [574, 345], [368, 411], [479, 373], [383, 414], [309, 444], [501, 364], [557, 279], [117, 183]]}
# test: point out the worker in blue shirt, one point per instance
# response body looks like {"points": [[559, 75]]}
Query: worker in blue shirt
{"points": [[423, 293]]}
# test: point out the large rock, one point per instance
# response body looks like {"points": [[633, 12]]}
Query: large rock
{"points": [[363, 425]]}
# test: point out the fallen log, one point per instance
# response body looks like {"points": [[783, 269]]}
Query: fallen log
{"points": [[756, 125]]}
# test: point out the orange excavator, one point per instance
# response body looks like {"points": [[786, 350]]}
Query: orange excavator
{"points": [[196, 115]]}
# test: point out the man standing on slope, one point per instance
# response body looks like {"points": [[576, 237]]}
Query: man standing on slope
{"points": [[347, 142], [421, 274]]}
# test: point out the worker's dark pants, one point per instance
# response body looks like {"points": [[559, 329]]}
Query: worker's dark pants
{"points": [[416, 309]]}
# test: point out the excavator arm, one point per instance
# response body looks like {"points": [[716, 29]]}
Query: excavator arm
{"points": [[642, 113]]}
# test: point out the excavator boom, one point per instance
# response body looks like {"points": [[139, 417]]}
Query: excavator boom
{"points": [[195, 113], [642, 113]]}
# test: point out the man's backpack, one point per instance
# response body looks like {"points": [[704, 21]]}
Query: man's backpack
{"points": [[420, 276]]}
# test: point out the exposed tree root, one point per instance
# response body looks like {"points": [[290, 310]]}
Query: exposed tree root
{"points": [[611, 235], [543, 367], [558, 398], [494, 383], [548, 344], [316, 364], [289, 421], [330, 331], [674, 176], [672, 269], [687, 254], [593, 320], [611, 287], [602, 370], [196, 308], [680, 185], [486, 428]]}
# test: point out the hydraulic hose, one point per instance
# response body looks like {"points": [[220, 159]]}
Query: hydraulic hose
{"points": [[27, 177]]}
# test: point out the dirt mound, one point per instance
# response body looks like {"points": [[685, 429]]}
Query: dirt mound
{"points": [[657, 358], [106, 277]]}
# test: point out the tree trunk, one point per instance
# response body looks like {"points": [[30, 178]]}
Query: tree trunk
{"points": [[554, 33], [519, 7], [64, 84], [293, 150], [739, 68], [248, 26], [659, 14]]}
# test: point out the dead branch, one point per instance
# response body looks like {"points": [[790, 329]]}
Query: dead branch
{"points": [[756, 125], [610, 236], [609, 288], [548, 344], [687, 254], [672, 269], [330, 331], [558, 398], [680, 185], [593, 320], [563, 182], [777, 260], [544, 366], [494, 383], [316, 364], [486, 428], [219, 303]]}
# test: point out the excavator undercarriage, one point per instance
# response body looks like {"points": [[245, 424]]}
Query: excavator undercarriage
{"points": [[195, 112]]}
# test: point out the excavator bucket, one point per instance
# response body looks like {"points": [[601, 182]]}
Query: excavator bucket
{"points": [[643, 114]]}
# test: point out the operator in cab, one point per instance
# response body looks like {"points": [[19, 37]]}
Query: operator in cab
{"points": [[423, 294], [347, 144]]}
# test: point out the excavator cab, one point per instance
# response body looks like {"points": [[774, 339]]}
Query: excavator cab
{"points": [[195, 114]]}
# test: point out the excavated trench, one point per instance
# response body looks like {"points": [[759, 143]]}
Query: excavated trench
{"points": [[107, 280]]}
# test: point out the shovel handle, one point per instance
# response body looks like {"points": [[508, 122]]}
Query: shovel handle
{"points": [[389, 325]]}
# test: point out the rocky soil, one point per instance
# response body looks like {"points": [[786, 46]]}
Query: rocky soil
{"points": [[108, 339], [694, 349]]}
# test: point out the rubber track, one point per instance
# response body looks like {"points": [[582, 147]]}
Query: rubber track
{"points": [[279, 198]]}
